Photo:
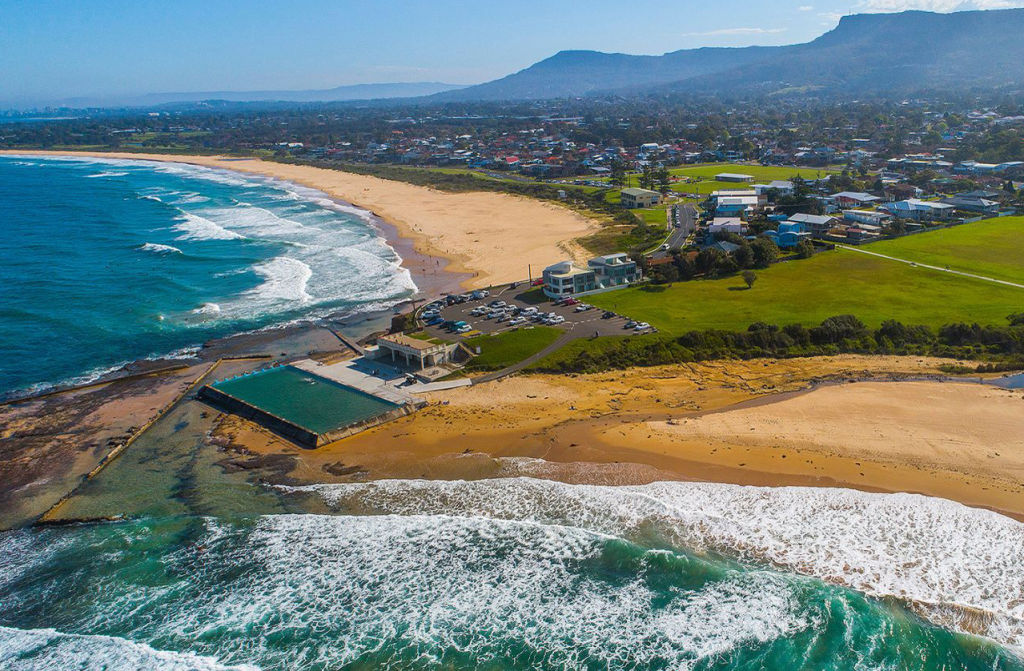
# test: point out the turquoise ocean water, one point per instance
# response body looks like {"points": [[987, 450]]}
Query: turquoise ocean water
{"points": [[108, 261], [521, 573]]}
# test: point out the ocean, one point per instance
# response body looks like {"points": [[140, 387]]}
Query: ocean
{"points": [[108, 261], [522, 573]]}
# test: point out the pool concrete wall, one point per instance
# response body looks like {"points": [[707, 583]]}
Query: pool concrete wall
{"points": [[299, 435]]}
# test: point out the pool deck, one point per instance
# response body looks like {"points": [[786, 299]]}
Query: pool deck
{"points": [[365, 375]]}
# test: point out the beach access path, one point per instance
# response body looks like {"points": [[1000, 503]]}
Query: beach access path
{"points": [[491, 237]]}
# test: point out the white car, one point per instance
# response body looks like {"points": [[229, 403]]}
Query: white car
{"points": [[642, 326]]}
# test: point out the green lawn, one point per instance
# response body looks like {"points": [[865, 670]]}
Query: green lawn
{"points": [[993, 248], [761, 173], [503, 350], [808, 291]]}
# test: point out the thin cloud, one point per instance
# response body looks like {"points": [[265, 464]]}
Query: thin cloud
{"points": [[805, 8], [935, 5], [736, 31]]}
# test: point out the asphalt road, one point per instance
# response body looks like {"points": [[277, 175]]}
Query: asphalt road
{"points": [[688, 215]]}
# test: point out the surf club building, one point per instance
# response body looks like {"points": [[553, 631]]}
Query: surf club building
{"points": [[414, 352]]}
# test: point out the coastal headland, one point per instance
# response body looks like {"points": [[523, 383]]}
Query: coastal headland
{"points": [[489, 237]]}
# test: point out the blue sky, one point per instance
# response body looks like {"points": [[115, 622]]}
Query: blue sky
{"points": [[51, 49]]}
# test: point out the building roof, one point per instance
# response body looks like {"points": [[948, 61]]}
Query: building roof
{"points": [[857, 195], [733, 175], [566, 269], [405, 341], [802, 218], [640, 192]]}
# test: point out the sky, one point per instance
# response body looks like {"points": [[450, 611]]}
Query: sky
{"points": [[56, 49]]}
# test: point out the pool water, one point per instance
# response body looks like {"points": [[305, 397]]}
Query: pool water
{"points": [[314, 403]]}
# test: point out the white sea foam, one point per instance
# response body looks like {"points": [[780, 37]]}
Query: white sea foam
{"points": [[109, 173], [957, 565], [35, 649], [194, 227], [284, 279], [478, 585], [208, 309], [157, 248]]}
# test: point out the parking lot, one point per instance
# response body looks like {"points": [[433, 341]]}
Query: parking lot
{"points": [[591, 322]]}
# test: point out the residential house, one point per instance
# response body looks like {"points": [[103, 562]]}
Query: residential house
{"points": [[920, 210], [612, 270], [789, 234], [870, 217], [783, 187], [973, 204], [846, 199], [815, 224], [566, 278], [726, 225]]}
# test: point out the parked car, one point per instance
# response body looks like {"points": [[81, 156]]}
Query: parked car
{"points": [[571, 301], [642, 326], [480, 294], [465, 328], [630, 325], [537, 283], [435, 321], [608, 315]]}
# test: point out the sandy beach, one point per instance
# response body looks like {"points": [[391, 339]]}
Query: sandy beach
{"points": [[754, 422], [488, 236]]}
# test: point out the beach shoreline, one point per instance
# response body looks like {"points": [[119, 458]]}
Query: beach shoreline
{"points": [[489, 238], [433, 276]]}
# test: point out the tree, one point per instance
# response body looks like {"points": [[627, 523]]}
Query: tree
{"points": [[765, 252], [743, 256], [805, 249], [707, 260], [749, 276]]}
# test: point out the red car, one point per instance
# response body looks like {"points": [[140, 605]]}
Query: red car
{"points": [[537, 283]]}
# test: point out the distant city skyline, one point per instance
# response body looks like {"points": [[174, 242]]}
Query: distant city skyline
{"points": [[57, 49]]}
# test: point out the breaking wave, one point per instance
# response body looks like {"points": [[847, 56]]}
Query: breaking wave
{"points": [[956, 565], [159, 249], [31, 650], [195, 227]]}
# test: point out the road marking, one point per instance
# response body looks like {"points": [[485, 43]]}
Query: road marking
{"points": [[925, 265]]}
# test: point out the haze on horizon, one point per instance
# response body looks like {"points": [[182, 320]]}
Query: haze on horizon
{"points": [[52, 50]]}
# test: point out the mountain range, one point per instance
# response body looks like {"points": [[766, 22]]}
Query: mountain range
{"points": [[893, 55], [889, 54]]}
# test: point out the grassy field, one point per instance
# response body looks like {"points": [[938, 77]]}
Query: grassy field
{"points": [[762, 174], [993, 248], [503, 350], [808, 291]]}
